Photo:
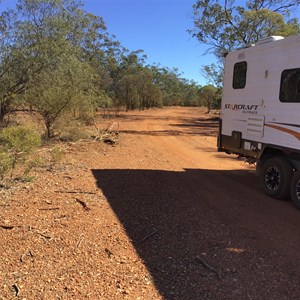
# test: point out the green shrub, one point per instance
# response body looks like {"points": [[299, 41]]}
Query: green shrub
{"points": [[33, 163], [19, 139], [57, 155], [5, 164], [18, 142], [75, 134]]}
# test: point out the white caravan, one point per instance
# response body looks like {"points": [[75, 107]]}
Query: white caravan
{"points": [[260, 112]]}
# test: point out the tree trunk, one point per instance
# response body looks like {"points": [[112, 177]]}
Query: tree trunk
{"points": [[3, 113]]}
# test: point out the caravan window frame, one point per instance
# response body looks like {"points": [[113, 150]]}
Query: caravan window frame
{"points": [[289, 91], [239, 77]]}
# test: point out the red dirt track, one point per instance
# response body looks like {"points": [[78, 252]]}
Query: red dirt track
{"points": [[166, 217]]}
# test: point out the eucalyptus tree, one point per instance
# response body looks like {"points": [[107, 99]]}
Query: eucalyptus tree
{"points": [[102, 51], [137, 87], [137, 90], [151, 96], [127, 63], [170, 83], [207, 95], [30, 43], [13, 77], [126, 91], [58, 91], [189, 92], [228, 24], [37, 39]]}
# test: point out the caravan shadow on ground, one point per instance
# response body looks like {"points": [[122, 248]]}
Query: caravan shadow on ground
{"points": [[180, 221]]}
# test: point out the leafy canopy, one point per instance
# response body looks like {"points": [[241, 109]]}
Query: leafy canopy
{"points": [[227, 24]]}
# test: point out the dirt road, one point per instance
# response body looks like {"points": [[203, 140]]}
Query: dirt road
{"points": [[166, 217]]}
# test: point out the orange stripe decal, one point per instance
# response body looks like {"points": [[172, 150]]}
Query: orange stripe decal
{"points": [[286, 130]]}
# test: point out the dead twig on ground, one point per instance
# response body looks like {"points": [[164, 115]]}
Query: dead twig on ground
{"points": [[95, 125], [149, 236], [75, 192], [49, 208], [205, 264], [80, 240], [27, 253], [108, 252], [61, 217], [48, 237], [108, 135], [84, 205]]}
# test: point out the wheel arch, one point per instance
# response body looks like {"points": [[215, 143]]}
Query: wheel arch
{"points": [[290, 155], [269, 152]]}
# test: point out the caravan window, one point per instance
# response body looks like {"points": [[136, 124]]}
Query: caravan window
{"points": [[290, 86], [239, 75]]}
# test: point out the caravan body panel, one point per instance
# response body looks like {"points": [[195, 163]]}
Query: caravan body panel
{"points": [[252, 107]]}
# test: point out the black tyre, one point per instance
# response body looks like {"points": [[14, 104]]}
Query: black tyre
{"points": [[295, 189], [276, 177]]}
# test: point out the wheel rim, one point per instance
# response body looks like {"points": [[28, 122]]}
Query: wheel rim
{"points": [[272, 179], [298, 189]]}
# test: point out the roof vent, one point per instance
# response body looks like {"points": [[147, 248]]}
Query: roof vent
{"points": [[269, 39]]}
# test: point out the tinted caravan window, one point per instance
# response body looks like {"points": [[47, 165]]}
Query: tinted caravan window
{"points": [[239, 75], [290, 86]]}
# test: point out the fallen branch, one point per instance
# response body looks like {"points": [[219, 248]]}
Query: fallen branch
{"points": [[84, 205], [49, 208], [110, 128], [76, 192], [108, 135], [205, 264], [149, 236]]}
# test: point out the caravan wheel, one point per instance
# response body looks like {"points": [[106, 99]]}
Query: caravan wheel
{"points": [[276, 175], [295, 189]]}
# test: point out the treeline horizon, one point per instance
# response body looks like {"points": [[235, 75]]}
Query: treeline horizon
{"points": [[59, 60]]}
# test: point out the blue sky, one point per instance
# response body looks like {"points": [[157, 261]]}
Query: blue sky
{"points": [[159, 27]]}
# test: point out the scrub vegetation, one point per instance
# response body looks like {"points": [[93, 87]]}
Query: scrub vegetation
{"points": [[60, 65], [59, 61]]}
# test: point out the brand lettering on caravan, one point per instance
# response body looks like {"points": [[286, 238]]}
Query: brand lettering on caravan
{"points": [[245, 108]]}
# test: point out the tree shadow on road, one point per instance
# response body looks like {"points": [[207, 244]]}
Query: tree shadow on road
{"points": [[180, 221], [154, 132], [190, 126]]}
